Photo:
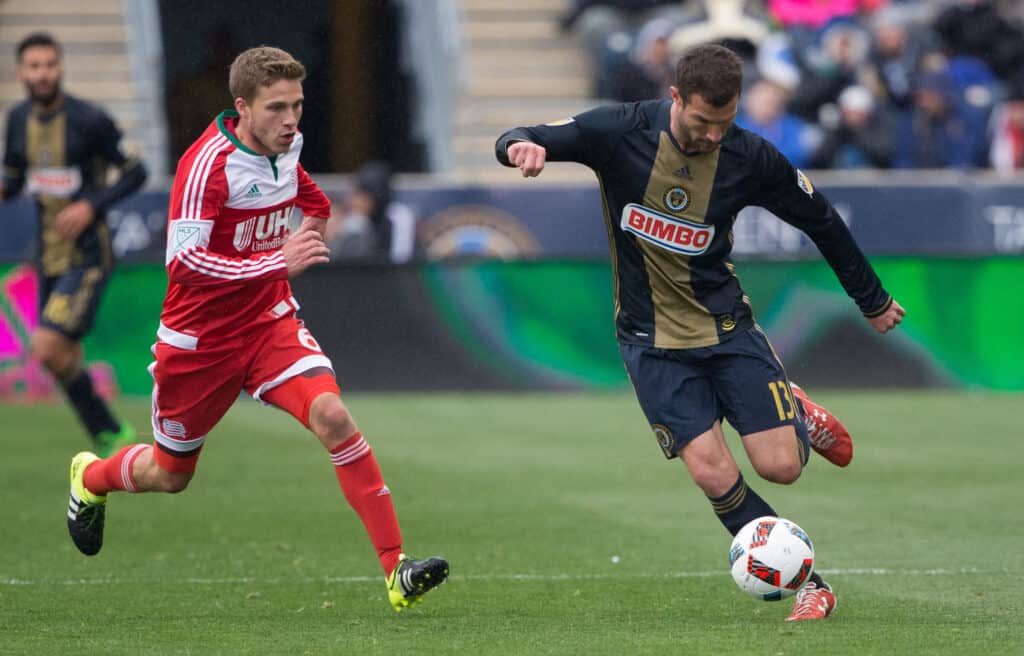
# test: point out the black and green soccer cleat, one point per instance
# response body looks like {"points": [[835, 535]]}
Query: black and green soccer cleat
{"points": [[86, 511], [411, 579]]}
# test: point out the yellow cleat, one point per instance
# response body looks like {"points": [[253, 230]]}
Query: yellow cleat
{"points": [[411, 579], [86, 511]]}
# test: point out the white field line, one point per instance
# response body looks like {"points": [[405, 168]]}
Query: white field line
{"points": [[855, 571]]}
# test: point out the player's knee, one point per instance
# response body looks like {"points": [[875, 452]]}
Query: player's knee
{"points": [[331, 421], [46, 350], [172, 482], [59, 356], [782, 470], [713, 478]]}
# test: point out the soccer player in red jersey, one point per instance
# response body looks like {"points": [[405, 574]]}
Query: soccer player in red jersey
{"points": [[228, 322]]}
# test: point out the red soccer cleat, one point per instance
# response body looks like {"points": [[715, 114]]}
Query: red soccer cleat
{"points": [[813, 603], [828, 436]]}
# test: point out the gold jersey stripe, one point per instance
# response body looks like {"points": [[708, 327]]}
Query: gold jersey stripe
{"points": [[680, 320]]}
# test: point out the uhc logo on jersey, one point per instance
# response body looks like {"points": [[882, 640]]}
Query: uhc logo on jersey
{"points": [[273, 226], [666, 231]]}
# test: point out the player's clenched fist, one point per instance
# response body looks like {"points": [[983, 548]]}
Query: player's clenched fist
{"points": [[529, 157], [303, 250], [889, 319]]}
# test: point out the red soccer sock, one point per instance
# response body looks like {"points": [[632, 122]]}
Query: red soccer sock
{"points": [[364, 488], [115, 472]]}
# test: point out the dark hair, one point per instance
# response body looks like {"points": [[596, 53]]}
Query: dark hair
{"points": [[712, 72], [38, 39]]}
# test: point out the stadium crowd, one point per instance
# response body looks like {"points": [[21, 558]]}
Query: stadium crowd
{"points": [[836, 83]]}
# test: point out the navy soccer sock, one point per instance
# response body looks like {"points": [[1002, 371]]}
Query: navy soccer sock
{"points": [[92, 411], [739, 505]]}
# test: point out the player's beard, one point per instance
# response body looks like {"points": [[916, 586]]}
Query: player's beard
{"points": [[267, 141], [43, 95], [692, 145]]}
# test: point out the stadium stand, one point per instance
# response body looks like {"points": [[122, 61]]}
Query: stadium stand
{"points": [[97, 65], [520, 70]]}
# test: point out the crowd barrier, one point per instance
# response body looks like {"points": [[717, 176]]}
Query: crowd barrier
{"points": [[547, 324], [936, 214]]}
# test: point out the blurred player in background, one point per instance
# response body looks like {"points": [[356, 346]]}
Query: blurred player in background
{"points": [[229, 324], [673, 175], [61, 148]]}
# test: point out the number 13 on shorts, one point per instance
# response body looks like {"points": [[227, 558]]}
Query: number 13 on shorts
{"points": [[781, 393]]}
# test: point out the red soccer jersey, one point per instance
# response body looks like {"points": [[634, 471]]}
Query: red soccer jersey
{"points": [[228, 218]]}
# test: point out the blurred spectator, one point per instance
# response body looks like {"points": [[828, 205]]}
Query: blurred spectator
{"points": [[725, 22], [607, 27], [776, 61], [764, 113], [935, 134], [978, 30], [1006, 153], [896, 56], [834, 66], [372, 227], [977, 89], [861, 138], [650, 69]]}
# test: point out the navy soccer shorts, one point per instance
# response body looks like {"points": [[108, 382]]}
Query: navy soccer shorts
{"points": [[683, 392], [68, 303]]}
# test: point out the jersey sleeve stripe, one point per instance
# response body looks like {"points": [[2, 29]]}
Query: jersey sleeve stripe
{"points": [[194, 169], [228, 274], [197, 169], [206, 177], [204, 257], [192, 172]]}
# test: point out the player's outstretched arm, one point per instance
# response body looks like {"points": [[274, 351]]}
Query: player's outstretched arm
{"points": [[889, 319], [528, 157], [304, 249]]}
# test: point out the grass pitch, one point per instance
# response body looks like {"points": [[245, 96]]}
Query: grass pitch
{"points": [[567, 533]]}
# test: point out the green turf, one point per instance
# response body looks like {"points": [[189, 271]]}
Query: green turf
{"points": [[529, 497]]}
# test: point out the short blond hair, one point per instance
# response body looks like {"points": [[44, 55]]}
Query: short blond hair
{"points": [[261, 67]]}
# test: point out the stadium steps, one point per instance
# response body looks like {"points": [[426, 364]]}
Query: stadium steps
{"points": [[520, 70], [96, 61]]}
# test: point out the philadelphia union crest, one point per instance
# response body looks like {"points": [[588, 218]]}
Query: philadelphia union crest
{"points": [[676, 199]]}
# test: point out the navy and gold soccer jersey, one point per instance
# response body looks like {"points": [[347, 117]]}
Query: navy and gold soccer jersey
{"points": [[670, 214], [62, 157]]}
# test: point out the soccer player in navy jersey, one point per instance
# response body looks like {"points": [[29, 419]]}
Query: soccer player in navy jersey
{"points": [[60, 148], [673, 176]]}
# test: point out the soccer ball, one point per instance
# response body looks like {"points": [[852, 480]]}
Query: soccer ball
{"points": [[771, 558]]}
